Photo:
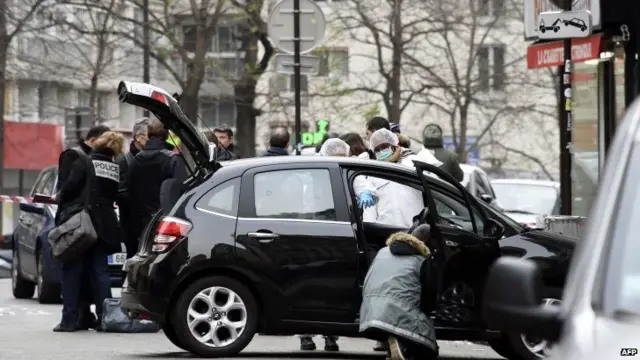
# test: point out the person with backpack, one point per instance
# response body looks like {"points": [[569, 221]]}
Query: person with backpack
{"points": [[140, 135], [68, 207]]}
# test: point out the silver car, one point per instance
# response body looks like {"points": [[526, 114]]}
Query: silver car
{"points": [[600, 309]]}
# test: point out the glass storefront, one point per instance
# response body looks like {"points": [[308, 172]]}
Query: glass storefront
{"points": [[586, 118]]}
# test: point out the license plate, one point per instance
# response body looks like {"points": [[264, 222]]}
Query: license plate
{"points": [[117, 259]]}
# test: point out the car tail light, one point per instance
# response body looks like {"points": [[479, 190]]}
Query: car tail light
{"points": [[169, 231], [158, 96]]}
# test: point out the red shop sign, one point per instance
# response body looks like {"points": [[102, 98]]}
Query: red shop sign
{"points": [[552, 54]]}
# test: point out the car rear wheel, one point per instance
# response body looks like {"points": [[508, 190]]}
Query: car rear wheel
{"points": [[48, 292], [215, 317], [22, 288]]}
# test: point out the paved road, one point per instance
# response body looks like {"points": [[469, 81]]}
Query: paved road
{"points": [[25, 333]]}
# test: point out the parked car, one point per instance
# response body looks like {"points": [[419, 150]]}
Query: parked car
{"points": [[525, 200], [600, 308], [276, 245], [32, 264], [476, 181]]}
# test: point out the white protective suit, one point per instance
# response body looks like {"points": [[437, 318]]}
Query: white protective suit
{"points": [[397, 203], [364, 183]]}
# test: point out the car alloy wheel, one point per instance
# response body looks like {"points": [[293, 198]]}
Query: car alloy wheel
{"points": [[217, 316], [539, 347]]}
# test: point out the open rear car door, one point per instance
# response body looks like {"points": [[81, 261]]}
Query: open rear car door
{"points": [[464, 256]]}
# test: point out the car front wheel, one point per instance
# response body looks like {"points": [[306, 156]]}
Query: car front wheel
{"points": [[22, 288], [215, 317]]}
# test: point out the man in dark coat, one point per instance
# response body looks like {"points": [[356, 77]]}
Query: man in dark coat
{"points": [[278, 142], [70, 206], [222, 153], [140, 136], [148, 170], [432, 141], [225, 140]]}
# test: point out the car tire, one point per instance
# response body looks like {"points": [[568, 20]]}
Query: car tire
{"points": [[242, 309], [48, 292], [170, 332], [22, 288], [503, 347], [521, 351]]}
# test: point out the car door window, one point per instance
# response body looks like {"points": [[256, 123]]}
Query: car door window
{"points": [[481, 188], [456, 211], [294, 194], [42, 183], [222, 199], [487, 184]]}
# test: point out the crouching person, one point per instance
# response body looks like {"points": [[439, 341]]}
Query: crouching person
{"points": [[400, 290]]}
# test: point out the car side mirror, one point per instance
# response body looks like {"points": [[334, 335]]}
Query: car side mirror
{"points": [[486, 198], [32, 209], [512, 300], [493, 229]]}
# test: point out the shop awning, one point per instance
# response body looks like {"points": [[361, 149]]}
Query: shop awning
{"points": [[552, 53]]}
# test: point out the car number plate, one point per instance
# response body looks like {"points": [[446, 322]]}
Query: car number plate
{"points": [[117, 259]]}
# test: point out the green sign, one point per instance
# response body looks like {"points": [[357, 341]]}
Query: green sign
{"points": [[313, 138]]}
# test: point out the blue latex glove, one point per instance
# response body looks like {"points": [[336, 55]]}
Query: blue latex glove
{"points": [[365, 200]]}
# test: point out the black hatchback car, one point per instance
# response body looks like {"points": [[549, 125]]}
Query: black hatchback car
{"points": [[277, 245]]}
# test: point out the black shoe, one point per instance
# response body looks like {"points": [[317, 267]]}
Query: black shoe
{"points": [[87, 321], [331, 345], [307, 344], [381, 346], [64, 328]]}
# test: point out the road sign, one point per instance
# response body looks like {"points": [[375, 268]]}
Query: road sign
{"points": [[313, 26], [309, 65], [473, 157], [564, 24]]}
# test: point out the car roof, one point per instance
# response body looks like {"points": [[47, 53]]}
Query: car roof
{"points": [[249, 163], [531, 182]]}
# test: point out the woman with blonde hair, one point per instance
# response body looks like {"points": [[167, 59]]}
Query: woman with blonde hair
{"points": [[92, 186]]}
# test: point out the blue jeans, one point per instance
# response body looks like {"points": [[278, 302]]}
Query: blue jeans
{"points": [[92, 267]]}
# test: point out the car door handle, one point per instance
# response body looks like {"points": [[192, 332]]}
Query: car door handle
{"points": [[451, 243], [263, 237]]}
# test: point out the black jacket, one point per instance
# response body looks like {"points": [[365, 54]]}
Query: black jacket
{"points": [[123, 195], [223, 154], [93, 184], [65, 163], [449, 161], [275, 151], [148, 170]]}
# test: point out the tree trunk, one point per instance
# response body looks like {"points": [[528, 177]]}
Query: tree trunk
{"points": [[4, 48], [396, 61], [93, 95]]}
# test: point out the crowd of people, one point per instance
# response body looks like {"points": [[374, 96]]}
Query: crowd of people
{"points": [[98, 173]]}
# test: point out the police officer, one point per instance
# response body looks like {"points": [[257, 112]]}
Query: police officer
{"points": [[148, 170], [68, 207]]}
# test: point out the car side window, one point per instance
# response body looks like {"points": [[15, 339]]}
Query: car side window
{"points": [[487, 184], [222, 199], [481, 188], [294, 194], [456, 211]]}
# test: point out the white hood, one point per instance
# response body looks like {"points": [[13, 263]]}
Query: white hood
{"points": [[426, 156]]}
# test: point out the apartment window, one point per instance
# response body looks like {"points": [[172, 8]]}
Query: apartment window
{"points": [[491, 64], [189, 38], [224, 39], [226, 68], [334, 63], [138, 18], [490, 7], [217, 113]]}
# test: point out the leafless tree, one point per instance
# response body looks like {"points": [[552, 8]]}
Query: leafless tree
{"points": [[15, 18]]}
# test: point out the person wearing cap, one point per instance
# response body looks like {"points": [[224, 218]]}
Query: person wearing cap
{"points": [[433, 145], [397, 203]]}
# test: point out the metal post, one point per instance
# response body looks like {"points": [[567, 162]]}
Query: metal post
{"points": [[566, 130], [146, 38], [296, 74]]}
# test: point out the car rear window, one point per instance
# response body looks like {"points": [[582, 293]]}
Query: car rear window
{"points": [[222, 199]]}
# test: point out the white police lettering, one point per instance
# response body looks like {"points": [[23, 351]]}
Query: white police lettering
{"points": [[107, 170]]}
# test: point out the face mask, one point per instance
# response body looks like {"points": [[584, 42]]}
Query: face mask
{"points": [[384, 154]]}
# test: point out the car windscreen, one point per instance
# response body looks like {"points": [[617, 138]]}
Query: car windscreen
{"points": [[527, 198], [621, 290]]}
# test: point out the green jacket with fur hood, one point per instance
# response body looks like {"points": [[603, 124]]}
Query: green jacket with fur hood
{"points": [[395, 302]]}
